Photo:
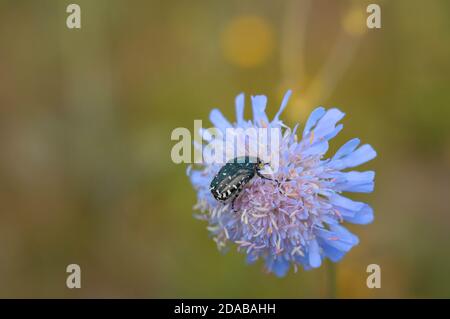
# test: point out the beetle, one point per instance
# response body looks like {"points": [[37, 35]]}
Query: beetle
{"points": [[234, 175]]}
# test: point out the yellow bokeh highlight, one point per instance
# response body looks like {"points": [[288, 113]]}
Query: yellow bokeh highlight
{"points": [[305, 102], [248, 41], [354, 21], [299, 109]]}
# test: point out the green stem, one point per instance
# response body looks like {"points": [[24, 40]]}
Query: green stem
{"points": [[332, 279]]}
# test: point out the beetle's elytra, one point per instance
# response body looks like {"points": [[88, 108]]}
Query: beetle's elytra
{"points": [[233, 176]]}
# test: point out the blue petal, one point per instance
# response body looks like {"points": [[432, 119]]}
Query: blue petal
{"points": [[334, 132], [240, 109], [219, 121], [347, 148], [283, 106], [361, 188], [344, 202], [330, 219], [362, 217], [361, 182], [332, 253], [206, 134], [303, 260], [314, 254], [251, 258], [316, 149], [312, 120], [259, 106], [363, 154], [198, 179], [278, 265], [338, 237], [345, 235], [327, 124]]}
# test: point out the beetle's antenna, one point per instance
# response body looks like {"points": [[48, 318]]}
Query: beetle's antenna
{"points": [[264, 177]]}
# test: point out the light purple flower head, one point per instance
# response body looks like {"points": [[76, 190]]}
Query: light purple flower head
{"points": [[298, 221]]}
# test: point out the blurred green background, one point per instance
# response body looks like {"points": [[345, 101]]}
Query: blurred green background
{"points": [[86, 116]]}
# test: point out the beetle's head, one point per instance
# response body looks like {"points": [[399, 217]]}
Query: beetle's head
{"points": [[260, 164]]}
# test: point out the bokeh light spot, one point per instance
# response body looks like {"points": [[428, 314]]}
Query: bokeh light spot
{"points": [[354, 21], [300, 110], [248, 41]]}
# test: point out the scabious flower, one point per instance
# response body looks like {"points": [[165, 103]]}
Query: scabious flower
{"points": [[298, 221]]}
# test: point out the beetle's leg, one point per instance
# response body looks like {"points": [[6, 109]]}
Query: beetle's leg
{"points": [[275, 180], [280, 190], [270, 179], [232, 204]]}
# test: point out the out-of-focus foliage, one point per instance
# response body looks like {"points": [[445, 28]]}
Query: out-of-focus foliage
{"points": [[86, 117]]}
